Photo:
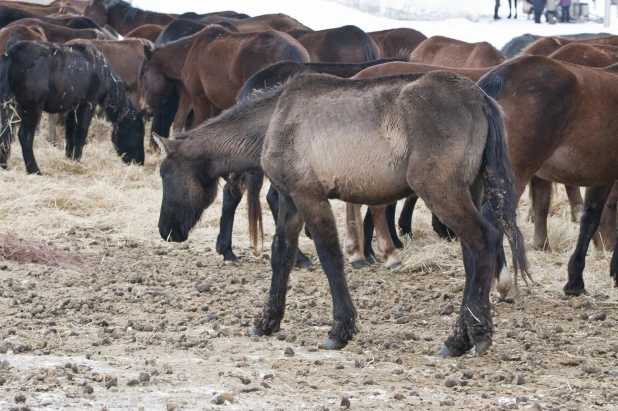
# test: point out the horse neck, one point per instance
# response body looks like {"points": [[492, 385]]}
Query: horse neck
{"points": [[118, 105], [233, 141], [116, 18], [171, 57]]}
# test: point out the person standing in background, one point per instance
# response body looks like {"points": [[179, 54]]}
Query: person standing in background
{"points": [[496, 17], [551, 11], [538, 7], [566, 13]]}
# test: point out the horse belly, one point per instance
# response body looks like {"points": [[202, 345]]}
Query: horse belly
{"points": [[574, 167]]}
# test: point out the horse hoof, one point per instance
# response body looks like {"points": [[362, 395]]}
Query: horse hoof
{"points": [[398, 244], [360, 264], [445, 352], [395, 266], [257, 332], [574, 291], [333, 344], [481, 348], [371, 259], [304, 264], [235, 263]]}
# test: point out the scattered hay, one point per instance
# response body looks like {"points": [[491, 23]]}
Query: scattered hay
{"points": [[38, 252]]}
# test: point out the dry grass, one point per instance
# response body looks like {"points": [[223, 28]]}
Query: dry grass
{"points": [[103, 195]]}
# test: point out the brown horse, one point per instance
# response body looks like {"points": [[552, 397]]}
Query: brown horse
{"points": [[148, 31], [60, 34], [362, 141], [606, 236], [589, 55], [122, 16], [347, 44], [15, 34], [39, 9], [212, 66], [444, 51], [547, 45], [555, 140], [279, 22], [397, 42]]}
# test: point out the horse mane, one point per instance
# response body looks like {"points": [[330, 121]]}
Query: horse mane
{"points": [[169, 43]]}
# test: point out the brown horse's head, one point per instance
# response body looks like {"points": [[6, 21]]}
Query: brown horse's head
{"points": [[153, 85], [97, 11], [188, 189]]}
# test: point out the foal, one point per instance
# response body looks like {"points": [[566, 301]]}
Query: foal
{"points": [[363, 141], [38, 76]]}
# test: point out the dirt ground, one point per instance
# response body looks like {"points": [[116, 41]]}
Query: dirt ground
{"points": [[118, 319]]}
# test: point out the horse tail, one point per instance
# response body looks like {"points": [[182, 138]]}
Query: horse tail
{"points": [[499, 185], [291, 52], [254, 209], [372, 52], [38, 30], [7, 110], [492, 83]]}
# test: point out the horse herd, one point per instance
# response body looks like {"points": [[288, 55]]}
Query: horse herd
{"points": [[367, 118]]}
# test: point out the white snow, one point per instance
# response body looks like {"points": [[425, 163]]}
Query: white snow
{"points": [[322, 14]]}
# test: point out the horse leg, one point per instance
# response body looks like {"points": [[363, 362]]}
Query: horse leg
{"points": [[613, 267], [391, 210], [368, 228], [284, 249], [540, 192], [354, 242], [515, 9], [576, 202], [272, 197], [231, 198], [83, 116], [405, 218], [593, 207], [510, 12], [29, 122], [52, 120], [605, 237], [442, 230], [182, 113], [69, 133], [385, 242], [318, 216]]}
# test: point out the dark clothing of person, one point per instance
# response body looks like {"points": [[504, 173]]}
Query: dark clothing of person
{"points": [[539, 6], [566, 14], [496, 17]]}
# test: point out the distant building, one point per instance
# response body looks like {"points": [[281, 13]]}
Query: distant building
{"points": [[418, 9]]}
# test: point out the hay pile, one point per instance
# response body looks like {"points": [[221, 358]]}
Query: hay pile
{"points": [[103, 195]]}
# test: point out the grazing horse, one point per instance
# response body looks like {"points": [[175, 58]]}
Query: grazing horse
{"points": [[555, 140], [444, 51], [347, 44], [547, 45], [60, 34], [397, 42], [122, 16], [15, 34], [370, 141], [149, 32], [212, 65], [37, 77], [517, 44]]}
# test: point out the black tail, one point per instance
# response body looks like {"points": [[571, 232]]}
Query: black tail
{"points": [[7, 110], [499, 185], [372, 52], [254, 208], [290, 52], [492, 83]]}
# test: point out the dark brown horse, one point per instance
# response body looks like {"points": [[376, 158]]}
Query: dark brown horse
{"points": [[555, 140], [317, 136], [38, 9], [589, 55], [147, 31], [347, 44], [397, 42], [444, 51], [279, 22], [9, 15], [212, 66], [122, 16], [15, 34], [60, 34], [547, 45], [38, 76]]}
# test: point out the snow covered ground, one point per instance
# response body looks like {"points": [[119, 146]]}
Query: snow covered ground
{"points": [[322, 14]]}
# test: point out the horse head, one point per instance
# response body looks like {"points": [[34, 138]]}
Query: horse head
{"points": [[97, 10], [189, 187]]}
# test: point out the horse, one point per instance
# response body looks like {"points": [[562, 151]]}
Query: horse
{"points": [[590, 55], [122, 16], [444, 51], [554, 142], [279, 21], [60, 34], [397, 42], [38, 76], [212, 65], [198, 17], [148, 31], [15, 34], [547, 45], [9, 15], [517, 44], [347, 44], [38, 9], [313, 134]]}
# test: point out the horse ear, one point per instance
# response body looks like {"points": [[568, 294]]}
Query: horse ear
{"points": [[166, 145]]}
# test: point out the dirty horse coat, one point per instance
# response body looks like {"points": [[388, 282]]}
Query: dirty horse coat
{"points": [[370, 141]]}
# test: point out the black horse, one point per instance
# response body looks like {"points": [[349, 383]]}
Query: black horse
{"points": [[39, 76]]}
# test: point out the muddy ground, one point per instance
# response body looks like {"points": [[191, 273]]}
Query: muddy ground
{"points": [[118, 319]]}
